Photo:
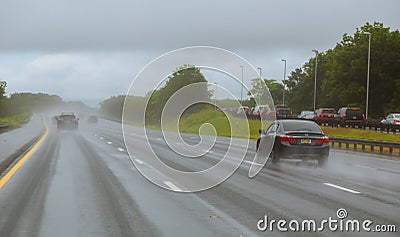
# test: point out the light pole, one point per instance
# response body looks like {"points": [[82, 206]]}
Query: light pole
{"points": [[284, 78], [369, 60], [215, 96], [315, 79], [241, 91], [259, 93]]}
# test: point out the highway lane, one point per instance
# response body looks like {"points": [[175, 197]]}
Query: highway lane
{"points": [[84, 184]]}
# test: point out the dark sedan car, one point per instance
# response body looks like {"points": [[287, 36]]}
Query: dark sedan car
{"points": [[296, 139], [67, 121]]}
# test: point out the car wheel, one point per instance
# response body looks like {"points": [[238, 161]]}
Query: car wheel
{"points": [[258, 144], [322, 161]]}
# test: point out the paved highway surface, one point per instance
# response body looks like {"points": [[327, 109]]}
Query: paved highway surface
{"points": [[84, 184]]}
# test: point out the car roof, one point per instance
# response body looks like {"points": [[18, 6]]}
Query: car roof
{"points": [[296, 120]]}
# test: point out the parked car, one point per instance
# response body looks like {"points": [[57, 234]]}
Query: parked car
{"points": [[243, 110], [262, 110], [349, 116], [295, 139], [393, 119], [67, 121], [306, 114], [324, 116], [282, 111]]}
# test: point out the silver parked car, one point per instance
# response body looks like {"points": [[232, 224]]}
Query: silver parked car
{"points": [[306, 114], [393, 118]]}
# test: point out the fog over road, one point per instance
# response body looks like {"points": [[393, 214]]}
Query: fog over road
{"points": [[82, 183]]}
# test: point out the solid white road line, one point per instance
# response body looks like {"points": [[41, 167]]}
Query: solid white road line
{"points": [[101, 138], [109, 143], [121, 149], [342, 188], [172, 186]]}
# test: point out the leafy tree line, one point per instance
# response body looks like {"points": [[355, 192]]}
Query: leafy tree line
{"points": [[342, 74], [19, 103], [182, 77], [157, 99]]}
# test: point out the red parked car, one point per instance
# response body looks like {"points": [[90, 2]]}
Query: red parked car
{"points": [[324, 116]]}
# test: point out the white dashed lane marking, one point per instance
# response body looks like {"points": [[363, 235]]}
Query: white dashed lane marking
{"points": [[172, 186], [139, 161], [342, 188]]}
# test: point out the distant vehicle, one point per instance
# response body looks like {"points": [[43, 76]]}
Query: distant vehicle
{"points": [[306, 114], [67, 121], [262, 110], [349, 116], [282, 111], [393, 118], [324, 116], [243, 110], [92, 119], [296, 139]]}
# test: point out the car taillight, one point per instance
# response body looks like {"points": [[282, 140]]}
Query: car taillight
{"points": [[287, 139], [396, 120], [291, 112], [277, 112], [354, 108], [304, 116], [363, 116], [344, 115], [322, 140], [321, 115]]}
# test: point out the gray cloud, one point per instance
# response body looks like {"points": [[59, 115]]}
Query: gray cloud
{"points": [[114, 39]]}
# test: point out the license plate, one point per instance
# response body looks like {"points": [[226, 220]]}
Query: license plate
{"points": [[306, 140], [354, 117]]}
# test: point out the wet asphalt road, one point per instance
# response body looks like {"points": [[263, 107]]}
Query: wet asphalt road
{"points": [[84, 184]]}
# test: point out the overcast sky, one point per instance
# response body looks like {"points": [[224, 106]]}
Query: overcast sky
{"points": [[90, 50]]}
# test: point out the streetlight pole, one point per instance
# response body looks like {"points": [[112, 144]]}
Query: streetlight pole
{"points": [[215, 96], [241, 91], [369, 64], [284, 78], [259, 94], [315, 78]]}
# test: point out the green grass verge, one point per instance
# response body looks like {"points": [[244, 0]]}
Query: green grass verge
{"points": [[360, 134], [14, 120], [191, 124]]}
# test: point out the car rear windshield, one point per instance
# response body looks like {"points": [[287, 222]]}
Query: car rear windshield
{"points": [[328, 111], [354, 112], [300, 126], [67, 116]]}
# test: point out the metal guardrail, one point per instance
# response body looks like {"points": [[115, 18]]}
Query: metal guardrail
{"points": [[384, 148], [4, 127]]}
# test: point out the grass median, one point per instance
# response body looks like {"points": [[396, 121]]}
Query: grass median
{"points": [[14, 121], [191, 124]]}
